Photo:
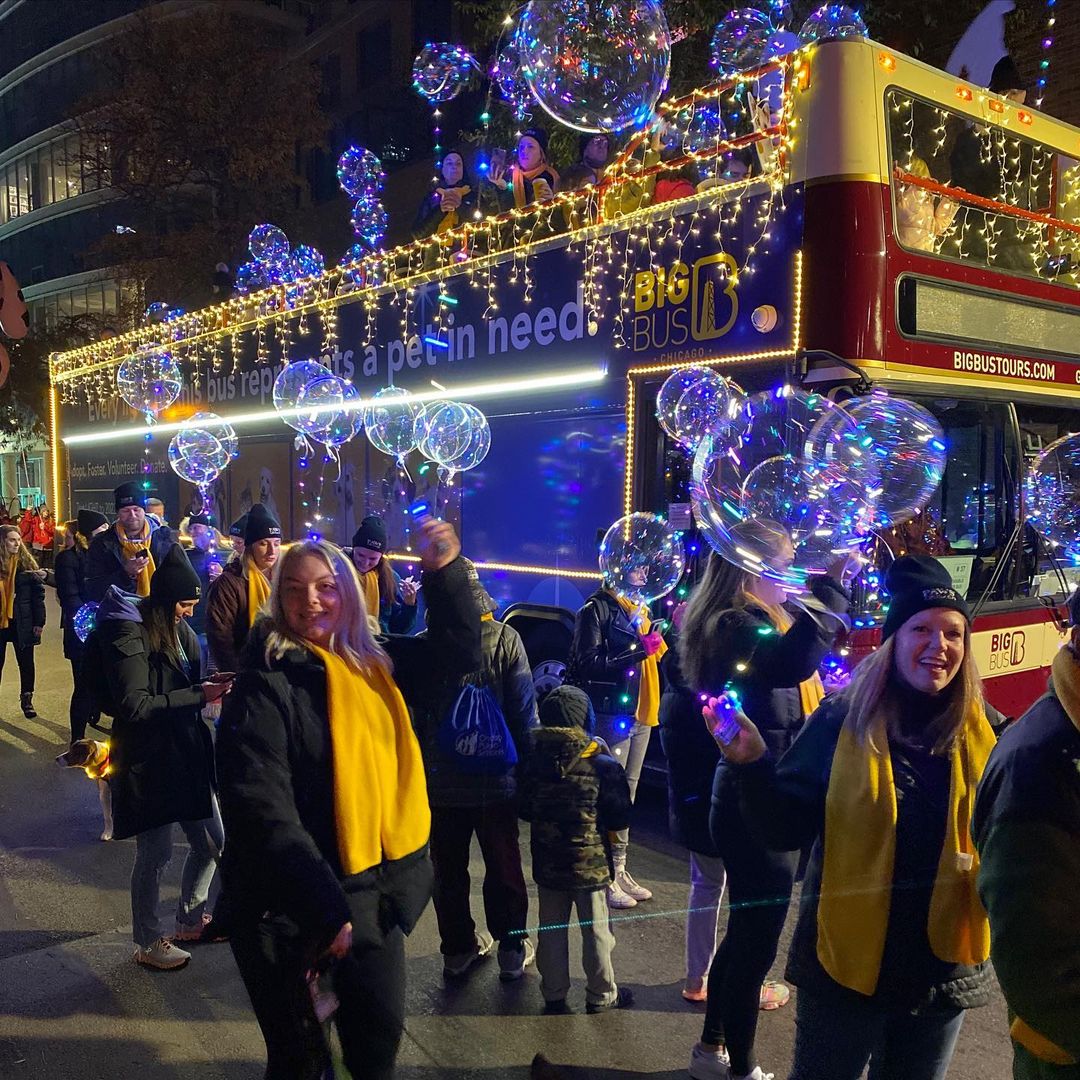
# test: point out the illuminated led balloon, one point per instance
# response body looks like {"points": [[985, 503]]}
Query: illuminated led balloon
{"points": [[370, 221], [307, 261], [150, 380], [321, 397], [513, 86], [695, 128], [156, 312], [670, 394], [441, 71], [739, 40], [202, 448], [345, 424], [780, 422], [711, 406], [290, 385], [391, 421], [641, 558], [1053, 495], [479, 441], [359, 172], [832, 22], [445, 428], [268, 244], [84, 620], [251, 277], [596, 65], [910, 447]]}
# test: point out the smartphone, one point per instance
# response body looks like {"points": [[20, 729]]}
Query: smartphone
{"points": [[727, 726], [221, 676]]}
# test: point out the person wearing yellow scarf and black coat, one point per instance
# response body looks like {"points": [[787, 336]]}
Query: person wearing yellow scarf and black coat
{"points": [[324, 800], [241, 589], [1027, 830], [22, 610], [450, 202], [892, 940]]}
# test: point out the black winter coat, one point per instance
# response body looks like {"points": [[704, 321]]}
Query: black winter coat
{"points": [[692, 756], [71, 593], [785, 805], [574, 793], [277, 792], [201, 561], [505, 671], [162, 758], [605, 646], [29, 608], [430, 214], [105, 562]]}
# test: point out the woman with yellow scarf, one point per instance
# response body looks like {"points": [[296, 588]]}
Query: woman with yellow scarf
{"points": [[892, 940], [22, 610], [325, 801], [241, 590]]}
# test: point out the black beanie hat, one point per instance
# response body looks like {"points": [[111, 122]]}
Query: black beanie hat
{"points": [[371, 534], [174, 579], [238, 527], [260, 525], [567, 706], [89, 520], [587, 137], [129, 494], [1006, 76], [540, 135], [915, 583], [201, 519]]}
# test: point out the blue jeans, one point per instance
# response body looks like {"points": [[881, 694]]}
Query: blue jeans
{"points": [[835, 1038], [153, 850]]}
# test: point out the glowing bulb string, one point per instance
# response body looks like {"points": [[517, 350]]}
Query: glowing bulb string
{"points": [[1046, 45]]}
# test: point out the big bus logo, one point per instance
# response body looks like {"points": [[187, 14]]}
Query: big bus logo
{"points": [[1007, 649], [679, 304]]}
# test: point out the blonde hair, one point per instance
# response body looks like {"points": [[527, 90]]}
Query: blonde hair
{"points": [[24, 556], [355, 640], [872, 692]]}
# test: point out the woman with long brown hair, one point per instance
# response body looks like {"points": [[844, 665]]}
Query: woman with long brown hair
{"points": [[22, 610], [388, 597], [892, 942]]}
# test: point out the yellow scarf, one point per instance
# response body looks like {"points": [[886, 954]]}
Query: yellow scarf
{"points": [[380, 794], [7, 593], [860, 849], [370, 582], [648, 701], [518, 176], [450, 218], [131, 548], [258, 591]]}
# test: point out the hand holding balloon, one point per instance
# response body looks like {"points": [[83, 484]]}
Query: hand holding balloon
{"points": [[735, 733]]}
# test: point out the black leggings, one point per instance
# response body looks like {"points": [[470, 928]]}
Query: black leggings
{"points": [[759, 892], [370, 983], [24, 657], [82, 710]]}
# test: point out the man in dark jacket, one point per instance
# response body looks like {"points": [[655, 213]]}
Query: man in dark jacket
{"points": [[127, 555], [207, 564], [465, 803], [1027, 829], [576, 796]]}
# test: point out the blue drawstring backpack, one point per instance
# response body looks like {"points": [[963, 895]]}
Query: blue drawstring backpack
{"points": [[474, 735]]}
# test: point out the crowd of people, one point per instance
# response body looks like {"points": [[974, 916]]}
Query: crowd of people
{"points": [[273, 699]]}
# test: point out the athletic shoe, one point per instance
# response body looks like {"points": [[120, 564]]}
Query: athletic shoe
{"points": [[623, 1000], [618, 897], [513, 962], [774, 995], [163, 955], [631, 887], [202, 933], [709, 1064], [458, 964]]}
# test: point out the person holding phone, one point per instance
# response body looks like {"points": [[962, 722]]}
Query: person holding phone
{"points": [[530, 179], [325, 866], [161, 754], [388, 597], [127, 554], [740, 632]]}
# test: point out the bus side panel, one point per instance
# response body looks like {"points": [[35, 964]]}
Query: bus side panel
{"points": [[845, 293]]}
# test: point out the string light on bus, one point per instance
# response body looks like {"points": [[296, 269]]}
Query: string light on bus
{"points": [[1046, 45]]}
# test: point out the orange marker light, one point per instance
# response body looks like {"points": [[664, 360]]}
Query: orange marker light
{"points": [[1024, 117], [964, 93], [886, 61], [997, 106]]}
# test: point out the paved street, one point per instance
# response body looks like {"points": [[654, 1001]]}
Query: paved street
{"points": [[73, 1005]]}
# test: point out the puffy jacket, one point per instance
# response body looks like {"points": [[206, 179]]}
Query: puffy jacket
{"points": [[105, 562], [277, 791], [1027, 829], [29, 608], [162, 757], [785, 805], [574, 793], [226, 619], [71, 593], [505, 671], [201, 561], [604, 649]]}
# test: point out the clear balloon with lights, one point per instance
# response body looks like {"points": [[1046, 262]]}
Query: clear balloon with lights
{"points": [[832, 22], [1052, 488], [600, 66], [346, 423], [202, 449], [670, 394], [149, 381], [370, 221], [360, 172], [85, 619], [478, 445], [444, 428], [289, 387], [513, 87], [641, 557], [269, 245], [738, 42], [391, 422], [780, 422], [251, 277], [306, 261], [713, 405], [441, 71]]}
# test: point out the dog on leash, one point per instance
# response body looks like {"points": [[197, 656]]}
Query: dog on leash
{"points": [[92, 756]]}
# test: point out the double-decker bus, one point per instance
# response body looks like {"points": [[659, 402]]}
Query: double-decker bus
{"points": [[804, 222]]}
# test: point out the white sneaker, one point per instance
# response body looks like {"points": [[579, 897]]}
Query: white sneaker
{"points": [[513, 962], [757, 1074], [618, 897], [709, 1064], [631, 887], [459, 964], [163, 955]]}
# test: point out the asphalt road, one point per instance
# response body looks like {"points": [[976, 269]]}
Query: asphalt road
{"points": [[74, 1005]]}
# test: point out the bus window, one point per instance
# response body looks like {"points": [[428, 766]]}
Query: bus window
{"points": [[936, 154]]}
